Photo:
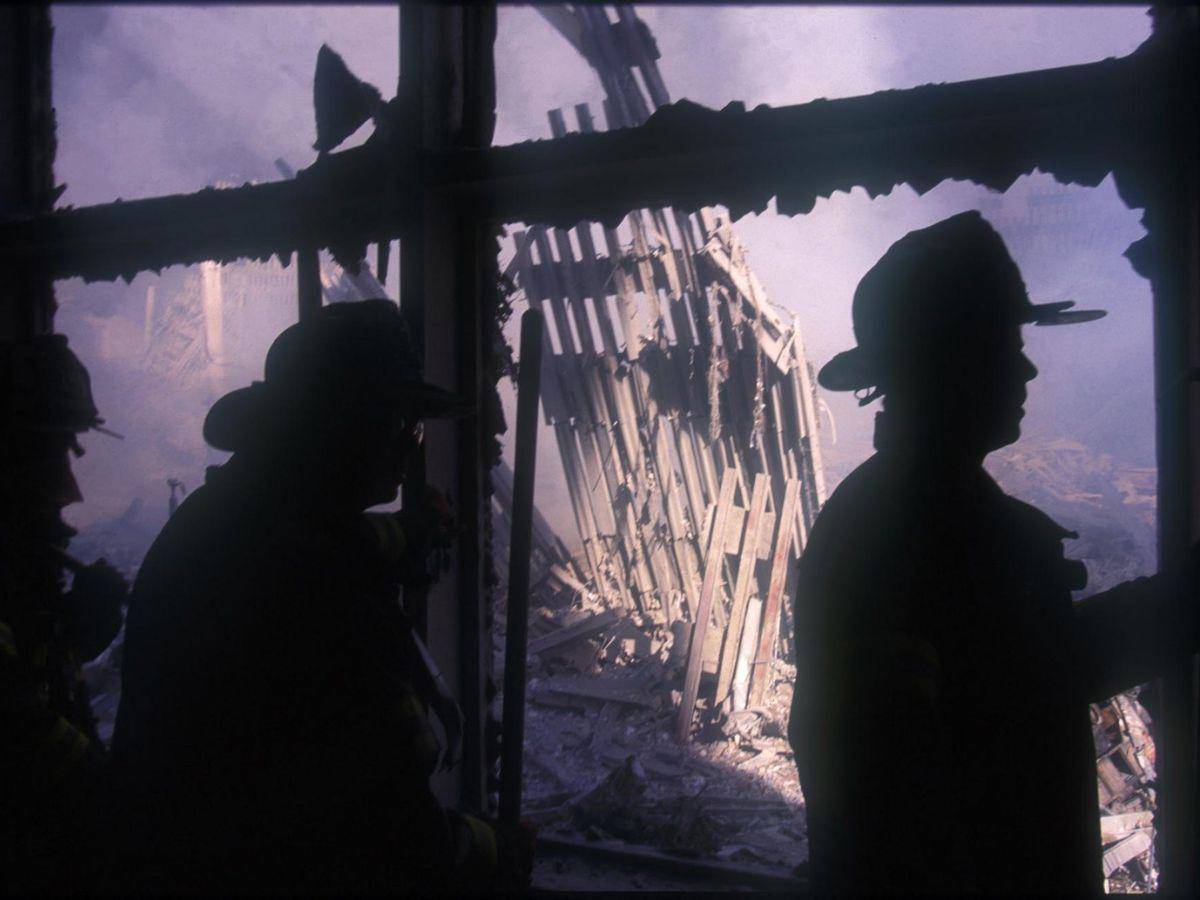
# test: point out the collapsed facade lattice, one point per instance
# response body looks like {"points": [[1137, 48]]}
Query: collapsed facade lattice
{"points": [[681, 401]]}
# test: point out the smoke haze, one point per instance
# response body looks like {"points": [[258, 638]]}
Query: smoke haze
{"points": [[154, 100]]}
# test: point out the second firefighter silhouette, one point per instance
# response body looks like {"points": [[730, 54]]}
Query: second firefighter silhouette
{"points": [[273, 729], [934, 620]]}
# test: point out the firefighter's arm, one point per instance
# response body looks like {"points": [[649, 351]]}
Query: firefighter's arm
{"points": [[93, 609], [492, 856], [1129, 634], [342, 715]]}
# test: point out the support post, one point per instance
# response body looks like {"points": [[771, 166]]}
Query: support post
{"points": [[308, 281], [27, 145], [520, 542]]}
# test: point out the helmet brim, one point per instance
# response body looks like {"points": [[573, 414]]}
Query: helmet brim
{"points": [[1060, 313], [236, 417], [850, 370], [853, 370]]}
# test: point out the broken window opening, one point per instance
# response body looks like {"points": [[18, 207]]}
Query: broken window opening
{"points": [[191, 96], [709, 470]]}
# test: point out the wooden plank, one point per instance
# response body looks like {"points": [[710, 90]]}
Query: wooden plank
{"points": [[734, 528], [686, 566], [580, 630], [1118, 855], [1114, 828], [1119, 785], [766, 531], [741, 593], [631, 692], [706, 449], [712, 569], [703, 871], [769, 634], [626, 302], [641, 257], [568, 579]]}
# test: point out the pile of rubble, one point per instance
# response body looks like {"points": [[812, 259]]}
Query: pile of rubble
{"points": [[602, 761], [1125, 778]]}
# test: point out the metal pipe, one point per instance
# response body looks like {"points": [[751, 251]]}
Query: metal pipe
{"points": [[520, 543]]}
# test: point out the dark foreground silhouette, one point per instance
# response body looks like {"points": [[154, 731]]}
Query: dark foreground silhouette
{"points": [[51, 757], [943, 673], [273, 729]]}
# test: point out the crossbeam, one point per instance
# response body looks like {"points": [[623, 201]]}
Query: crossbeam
{"points": [[1076, 122]]}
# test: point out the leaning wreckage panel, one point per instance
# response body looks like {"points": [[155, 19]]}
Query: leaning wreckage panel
{"points": [[685, 418]]}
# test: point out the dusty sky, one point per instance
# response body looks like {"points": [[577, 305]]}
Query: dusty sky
{"points": [[1096, 381], [155, 100]]}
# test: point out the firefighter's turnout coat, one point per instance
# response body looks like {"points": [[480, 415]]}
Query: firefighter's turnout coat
{"points": [[269, 734], [940, 714]]}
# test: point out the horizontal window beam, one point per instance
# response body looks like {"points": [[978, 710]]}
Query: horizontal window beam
{"points": [[1077, 122]]}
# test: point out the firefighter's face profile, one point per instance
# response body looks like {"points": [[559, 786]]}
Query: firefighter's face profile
{"points": [[996, 393], [389, 447], [970, 382], [36, 479], [40, 462]]}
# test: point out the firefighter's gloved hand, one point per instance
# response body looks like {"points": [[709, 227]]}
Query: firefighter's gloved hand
{"points": [[515, 847], [429, 530], [92, 609], [431, 522]]}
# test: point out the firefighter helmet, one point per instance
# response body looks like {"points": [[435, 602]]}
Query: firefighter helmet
{"points": [[46, 388]]}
